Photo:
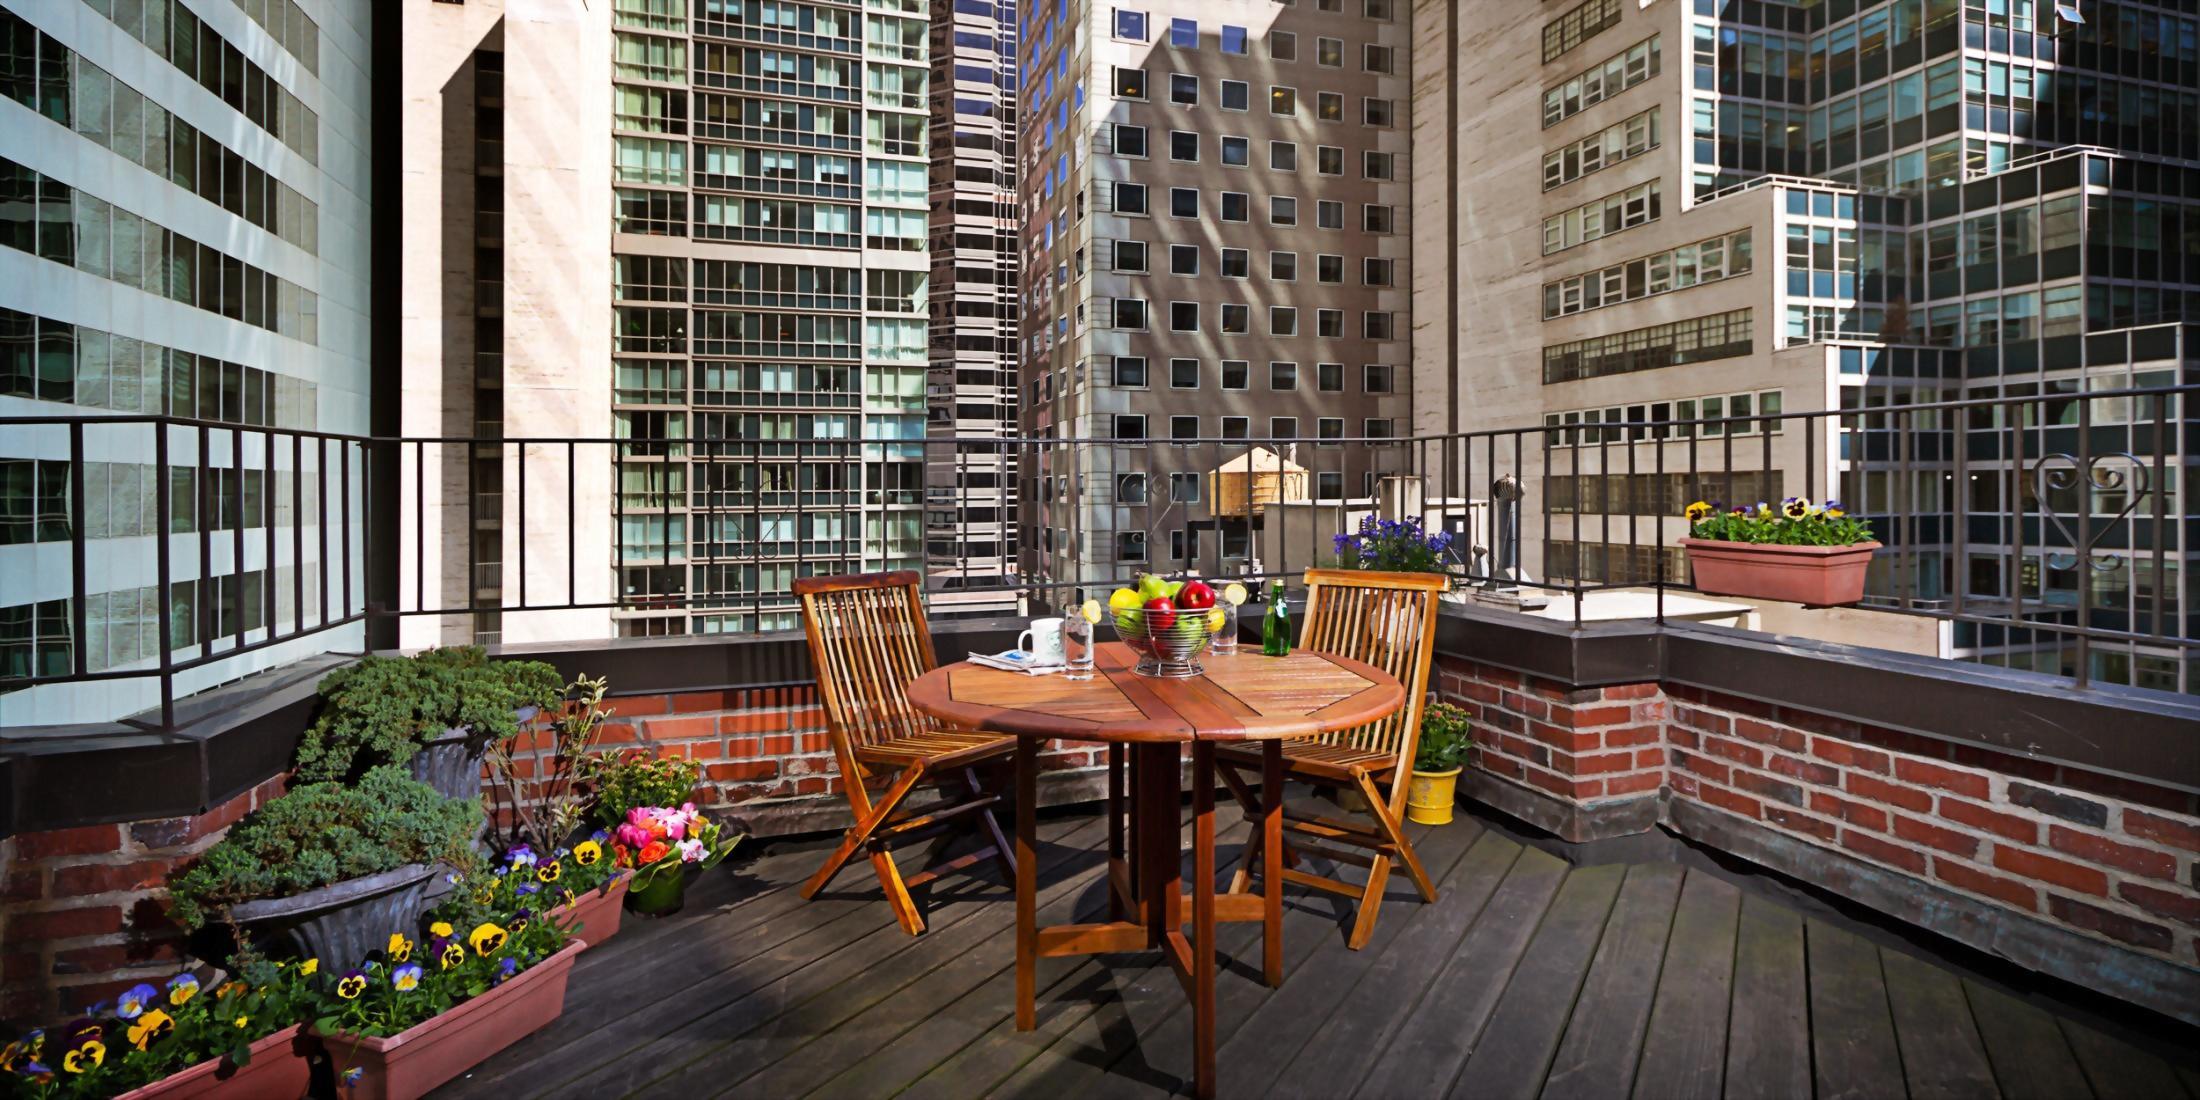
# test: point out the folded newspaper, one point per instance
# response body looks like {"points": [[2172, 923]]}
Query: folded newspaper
{"points": [[1016, 660]]}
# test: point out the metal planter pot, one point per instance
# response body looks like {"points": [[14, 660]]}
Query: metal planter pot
{"points": [[451, 764], [340, 923]]}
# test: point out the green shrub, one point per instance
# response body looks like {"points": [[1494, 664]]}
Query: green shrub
{"points": [[1445, 738], [639, 779], [323, 833], [382, 709]]}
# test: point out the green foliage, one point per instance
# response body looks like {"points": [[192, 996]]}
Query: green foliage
{"points": [[323, 833], [545, 805], [413, 980], [1445, 738], [1795, 522], [636, 778], [153, 1032], [382, 709]]}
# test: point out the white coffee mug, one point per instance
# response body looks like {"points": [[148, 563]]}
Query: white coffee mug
{"points": [[1043, 641]]}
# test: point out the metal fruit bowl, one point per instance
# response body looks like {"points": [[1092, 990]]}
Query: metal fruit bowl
{"points": [[1171, 651]]}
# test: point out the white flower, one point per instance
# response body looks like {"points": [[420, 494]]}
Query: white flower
{"points": [[691, 850]]}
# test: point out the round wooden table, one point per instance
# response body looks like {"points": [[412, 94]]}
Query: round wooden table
{"points": [[1243, 697]]}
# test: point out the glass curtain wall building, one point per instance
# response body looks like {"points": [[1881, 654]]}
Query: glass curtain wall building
{"points": [[183, 204], [771, 296]]}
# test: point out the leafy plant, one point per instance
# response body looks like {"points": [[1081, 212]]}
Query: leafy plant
{"points": [[626, 781], [323, 833], [525, 880], [547, 805], [1446, 735], [1796, 522], [659, 841], [382, 709], [1396, 546], [413, 980], [151, 1032]]}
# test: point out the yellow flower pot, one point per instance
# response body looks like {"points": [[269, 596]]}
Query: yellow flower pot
{"points": [[1429, 796]]}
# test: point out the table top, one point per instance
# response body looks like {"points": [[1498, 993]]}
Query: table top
{"points": [[1243, 697]]}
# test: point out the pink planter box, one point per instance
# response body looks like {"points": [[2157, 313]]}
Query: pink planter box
{"points": [[279, 1070], [1819, 576], [594, 916], [412, 1062]]}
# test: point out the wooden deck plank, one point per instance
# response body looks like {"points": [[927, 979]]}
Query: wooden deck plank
{"points": [[1603, 1041], [2116, 1069], [1684, 1052], [2030, 1057], [1942, 1057], [1852, 1031], [1362, 1022], [1427, 1051], [1768, 1037], [747, 1019], [872, 1012], [1514, 1054]]}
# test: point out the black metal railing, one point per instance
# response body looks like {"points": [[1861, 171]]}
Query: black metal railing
{"points": [[2050, 529]]}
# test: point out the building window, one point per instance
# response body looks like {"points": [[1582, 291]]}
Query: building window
{"points": [[1130, 141], [1130, 489], [1377, 166], [1602, 217], [1622, 141], [1183, 259], [1329, 269], [1184, 34], [1183, 429], [1329, 323], [1283, 267], [1283, 101], [1329, 431], [1236, 374], [1130, 372], [1184, 89], [1329, 377], [1283, 210], [1283, 377], [1283, 156], [1379, 325], [1235, 263], [1329, 106], [1376, 112], [1329, 485], [1130, 26], [1378, 59], [1130, 198], [1183, 488], [1183, 202], [1235, 151], [1377, 218], [1130, 427], [1375, 271], [1234, 206], [1719, 336], [1130, 546], [1376, 378], [1606, 79], [1328, 214], [1283, 321], [1689, 265], [1183, 145], [1130, 83], [1329, 52], [1236, 95], [1578, 25], [1376, 428], [1130, 314], [1283, 46], [1183, 316], [1184, 374], [1130, 257], [1283, 427], [1233, 39], [1328, 160], [1236, 427], [1237, 319]]}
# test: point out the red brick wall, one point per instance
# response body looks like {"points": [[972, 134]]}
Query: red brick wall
{"points": [[81, 915], [2110, 858]]}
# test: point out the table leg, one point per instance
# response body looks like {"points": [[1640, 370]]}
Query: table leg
{"points": [[1116, 810], [1027, 882], [1203, 918], [1271, 857]]}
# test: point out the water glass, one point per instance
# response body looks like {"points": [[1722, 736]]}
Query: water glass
{"points": [[1076, 647], [1226, 639]]}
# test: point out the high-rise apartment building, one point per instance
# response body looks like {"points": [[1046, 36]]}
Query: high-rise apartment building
{"points": [[1215, 257], [1661, 210], [970, 477], [184, 205]]}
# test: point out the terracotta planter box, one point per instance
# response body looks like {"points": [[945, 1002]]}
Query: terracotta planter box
{"points": [[1818, 576], [412, 1062], [279, 1070], [594, 916]]}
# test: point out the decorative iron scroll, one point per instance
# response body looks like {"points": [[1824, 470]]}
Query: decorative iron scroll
{"points": [[2062, 472]]}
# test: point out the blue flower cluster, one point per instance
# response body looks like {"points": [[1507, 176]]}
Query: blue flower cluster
{"points": [[1393, 545]]}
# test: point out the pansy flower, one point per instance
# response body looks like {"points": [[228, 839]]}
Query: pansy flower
{"points": [[22, 1052], [182, 988], [133, 1001], [1698, 512], [351, 985], [520, 919], [37, 1073], [486, 938], [526, 888], [1795, 507], [507, 967], [440, 930], [548, 872], [522, 856], [243, 1021], [352, 1076], [150, 1026], [450, 953], [399, 948], [405, 978], [308, 968], [84, 1057]]}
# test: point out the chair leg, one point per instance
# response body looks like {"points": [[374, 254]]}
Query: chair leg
{"points": [[866, 824], [1002, 854], [1379, 809], [1242, 878], [897, 892], [1363, 922]]}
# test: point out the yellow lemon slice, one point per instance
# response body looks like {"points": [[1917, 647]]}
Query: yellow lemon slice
{"points": [[1091, 611], [1214, 620], [1234, 594]]}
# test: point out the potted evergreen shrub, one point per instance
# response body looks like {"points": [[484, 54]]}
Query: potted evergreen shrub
{"points": [[435, 712], [1445, 739], [327, 869], [1800, 552]]}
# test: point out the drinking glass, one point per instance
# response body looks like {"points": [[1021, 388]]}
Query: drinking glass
{"points": [[1076, 647], [1226, 640]]}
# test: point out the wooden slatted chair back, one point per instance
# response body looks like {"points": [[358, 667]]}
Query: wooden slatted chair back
{"points": [[868, 639], [1387, 620]]}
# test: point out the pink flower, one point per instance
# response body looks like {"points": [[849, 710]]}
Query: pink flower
{"points": [[634, 836], [691, 851]]}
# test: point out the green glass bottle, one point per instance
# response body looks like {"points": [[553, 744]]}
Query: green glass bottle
{"points": [[1275, 629]]}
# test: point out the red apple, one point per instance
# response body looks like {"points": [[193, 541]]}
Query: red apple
{"points": [[1196, 596], [1160, 614]]}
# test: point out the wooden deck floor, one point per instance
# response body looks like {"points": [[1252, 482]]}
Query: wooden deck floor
{"points": [[1528, 978]]}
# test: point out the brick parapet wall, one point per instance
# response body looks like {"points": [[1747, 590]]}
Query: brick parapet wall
{"points": [[2106, 857], [81, 910]]}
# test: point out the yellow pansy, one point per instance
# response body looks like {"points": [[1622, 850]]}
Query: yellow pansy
{"points": [[486, 938]]}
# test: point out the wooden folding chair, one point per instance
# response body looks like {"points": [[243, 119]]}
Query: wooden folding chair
{"points": [[1387, 620], [868, 640]]}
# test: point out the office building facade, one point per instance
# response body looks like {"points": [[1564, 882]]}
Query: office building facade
{"points": [[1725, 211], [1215, 256], [184, 200]]}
